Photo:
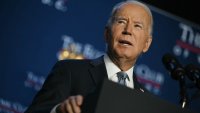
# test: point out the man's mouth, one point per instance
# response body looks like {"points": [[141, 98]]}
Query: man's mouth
{"points": [[125, 42]]}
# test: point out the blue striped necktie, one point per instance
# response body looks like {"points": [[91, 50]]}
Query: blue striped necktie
{"points": [[122, 76]]}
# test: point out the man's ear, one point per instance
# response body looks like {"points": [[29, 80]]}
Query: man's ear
{"points": [[147, 44]]}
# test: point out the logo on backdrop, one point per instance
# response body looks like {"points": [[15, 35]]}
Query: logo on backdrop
{"points": [[188, 43], [76, 50], [151, 79], [60, 5], [11, 107], [34, 81]]}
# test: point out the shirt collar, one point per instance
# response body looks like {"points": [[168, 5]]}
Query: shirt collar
{"points": [[112, 69]]}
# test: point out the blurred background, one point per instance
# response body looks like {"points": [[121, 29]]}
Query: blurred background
{"points": [[35, 34], [182, 8]]}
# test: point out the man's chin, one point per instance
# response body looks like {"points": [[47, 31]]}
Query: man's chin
{"points": [[124, 55]]}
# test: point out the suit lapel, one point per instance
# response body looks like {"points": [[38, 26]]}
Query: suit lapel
{"points": [[98, 73], [98, 70], [136, 84]]}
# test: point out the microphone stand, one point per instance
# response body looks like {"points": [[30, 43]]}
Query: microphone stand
{"points": [[183, 92], [179, 74]]}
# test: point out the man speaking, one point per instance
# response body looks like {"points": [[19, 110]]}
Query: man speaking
{"points": [[128, 34]]}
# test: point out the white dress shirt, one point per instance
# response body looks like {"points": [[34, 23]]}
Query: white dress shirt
{"points": [[112, 71]]}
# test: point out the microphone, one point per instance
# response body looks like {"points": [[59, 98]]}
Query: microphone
{"points": [[193, 73], [177, 72], [173, 66]]}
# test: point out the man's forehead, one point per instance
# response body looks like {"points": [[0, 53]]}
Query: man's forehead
{"points": [[133, 16], [131, 10], [130, 7]]}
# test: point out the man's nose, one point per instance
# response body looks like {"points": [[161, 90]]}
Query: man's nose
{"points": [[127, 30]]}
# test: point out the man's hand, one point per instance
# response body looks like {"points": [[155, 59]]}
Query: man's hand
{"points": [[71, 105]]}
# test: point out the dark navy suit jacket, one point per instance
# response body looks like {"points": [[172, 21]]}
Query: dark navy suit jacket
{"points": [[71, 77]]}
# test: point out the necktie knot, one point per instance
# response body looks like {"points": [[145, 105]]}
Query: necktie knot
{"points": [[122, 76]]}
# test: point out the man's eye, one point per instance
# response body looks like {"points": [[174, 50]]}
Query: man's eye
{"points": [[138, 26], [121, 21]]}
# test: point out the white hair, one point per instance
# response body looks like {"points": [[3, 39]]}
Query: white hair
{"points": [[117, 6]]}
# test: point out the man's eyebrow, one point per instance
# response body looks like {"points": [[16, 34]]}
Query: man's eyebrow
{"points": [[120, 17], [139, 22]]}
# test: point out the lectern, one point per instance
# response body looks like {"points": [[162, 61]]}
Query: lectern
{"points": [[114, 98]]}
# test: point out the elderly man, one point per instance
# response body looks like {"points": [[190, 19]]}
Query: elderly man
{"points": [[127, 34]]}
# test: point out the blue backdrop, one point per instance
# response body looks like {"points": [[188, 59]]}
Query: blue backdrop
{"points": [[34, 34]]}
